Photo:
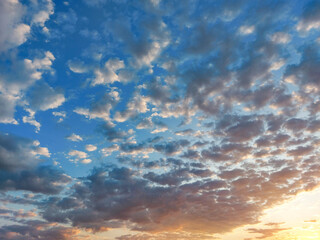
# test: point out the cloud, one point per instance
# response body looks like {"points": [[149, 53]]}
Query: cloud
{"points": [[112, 133], [238, 92], [138, 104], [245, 131], [86, 161], [18, 153], [109, 150], [146, 48], [281, 37], [37, 230], [44, 179], [295, 124], [108, 75], [67, 20], [305, 72], [245, 30], [22, 74], [12, 31], [78, 154], [19, 160], [171, 148], [31, 119], [74, 137], [77, 66], [17, 78], [310, 17], [267, 232], [91, 148], [101, 108], [145, 123], [170, 208], [43, 97], [61, 115], [44, 10], [8, 103]]}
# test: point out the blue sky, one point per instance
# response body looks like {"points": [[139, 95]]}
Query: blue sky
{"points": [[157, 119]]}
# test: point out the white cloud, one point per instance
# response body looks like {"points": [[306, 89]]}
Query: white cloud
{"points": [[306, 26], [19, 76], [160, 129], [8, 104], [281, 37], [12, 31], [86, 161], [245, 30], [43, 151], [31, 119], [37, 64], [43, 13], [61, 115], [108, 73], [77, 66], [91, 148], [102, 108], [74, 137], [277, 65], [24, 73], [19, 34], [151, 54], [103, 113], [138, 104], [78, 154], [109, 150]]}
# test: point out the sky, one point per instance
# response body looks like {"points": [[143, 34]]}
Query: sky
{"points": [[159, 119]]}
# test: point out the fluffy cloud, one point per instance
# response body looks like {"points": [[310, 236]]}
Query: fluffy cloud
{"points": [[15, 81], [17, 153], [43, 179], [101, 109], [91, 148], [43, 97], [37, 230], [8, 104], [78, 154], [108, 73], [310, 17], [31, 119], [12, 31], [74, 137], [19, 158]]}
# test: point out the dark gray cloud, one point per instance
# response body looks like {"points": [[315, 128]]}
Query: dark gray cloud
{"points": [[43, 179], [37, 230], [43, 97], [171, 148], [166, 201], [245, 131], [112, 133], [17, 153], [19, 160], [306, 71]]}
